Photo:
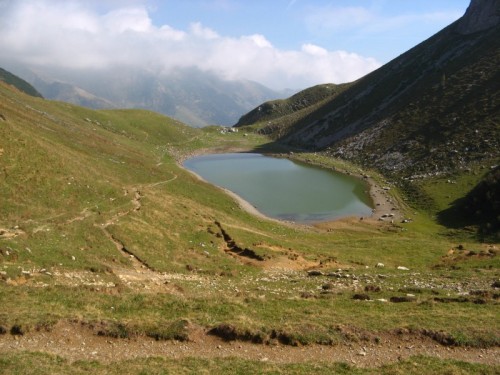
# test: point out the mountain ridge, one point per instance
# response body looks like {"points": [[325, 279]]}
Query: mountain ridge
{"points": [[281, 107], [410, 117]]}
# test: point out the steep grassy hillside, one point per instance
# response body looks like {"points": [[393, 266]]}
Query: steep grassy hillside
{"points": [[433, 110], [277, 109], [67, 166], [113, 257], [481, 206], [19, 83]]}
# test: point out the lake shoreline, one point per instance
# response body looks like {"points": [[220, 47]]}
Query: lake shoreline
{"points": [[245, 205], [385, 209], [242, 203]]}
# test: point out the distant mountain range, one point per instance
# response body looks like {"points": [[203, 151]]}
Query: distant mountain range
{"points": [[434, 109], [195, 97]]}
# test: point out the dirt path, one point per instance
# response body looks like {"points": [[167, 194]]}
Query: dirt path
{"points": [[385, 207], [163, 182], [75, 342], [141, 276]]}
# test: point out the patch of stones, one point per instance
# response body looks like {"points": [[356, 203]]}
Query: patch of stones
{"points": [[10, 232]]}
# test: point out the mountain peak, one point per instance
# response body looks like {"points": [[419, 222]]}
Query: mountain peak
{"points": [[438, 98], [479, 16]]}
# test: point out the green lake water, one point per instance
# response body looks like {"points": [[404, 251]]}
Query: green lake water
{"points": [[284, 189]]}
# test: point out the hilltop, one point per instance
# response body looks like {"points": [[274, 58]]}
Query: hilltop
{"points": [[302, 101]]}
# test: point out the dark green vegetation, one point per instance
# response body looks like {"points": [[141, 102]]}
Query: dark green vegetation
{"points": [[481, 206]]}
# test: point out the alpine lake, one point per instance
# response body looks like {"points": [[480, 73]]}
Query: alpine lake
{"points": [[283, 189]]}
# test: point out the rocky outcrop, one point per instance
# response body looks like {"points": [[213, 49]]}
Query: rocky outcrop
{"points": [[480, 15]]}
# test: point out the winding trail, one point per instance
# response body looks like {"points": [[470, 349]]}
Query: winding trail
{"points": [[163, 182], [137, 263], [142, 276]]}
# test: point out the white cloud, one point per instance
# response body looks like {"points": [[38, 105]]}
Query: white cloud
{"points": [[260, 41], [168, 33], [199, 31], [70, 34], [314, 50], [127, 19]]}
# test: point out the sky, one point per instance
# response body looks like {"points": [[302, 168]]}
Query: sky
{"points": [[279, 43]]}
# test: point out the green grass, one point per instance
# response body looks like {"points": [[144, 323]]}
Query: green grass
{"points": [[69, 179], [38, 363]]}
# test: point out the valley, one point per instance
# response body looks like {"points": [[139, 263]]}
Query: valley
{"points": [[115, 259], [111, 241]]}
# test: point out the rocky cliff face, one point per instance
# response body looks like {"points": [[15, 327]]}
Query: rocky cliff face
{"points": [[480, 15]]}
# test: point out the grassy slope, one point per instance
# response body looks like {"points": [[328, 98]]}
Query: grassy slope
{"points": [[19, 83], [301, 101], [66, 171], [46, 364]]}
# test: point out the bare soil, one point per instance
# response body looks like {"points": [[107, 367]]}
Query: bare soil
{"points": [[74, 341]]}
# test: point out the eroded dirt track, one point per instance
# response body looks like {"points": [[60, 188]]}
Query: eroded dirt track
{"points": [[73, 342]]}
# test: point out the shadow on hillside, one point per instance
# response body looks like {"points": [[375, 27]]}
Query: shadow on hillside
{"points": [[478, 210], [454, 217], [274, 147]]}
